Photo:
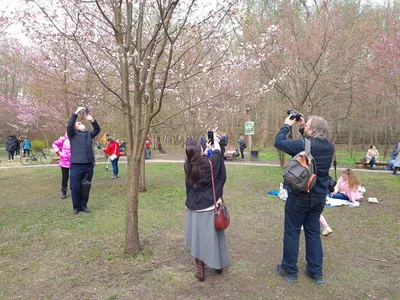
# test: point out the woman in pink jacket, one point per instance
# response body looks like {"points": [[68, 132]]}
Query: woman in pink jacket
{"points": [[347, 187], [63, 149]]}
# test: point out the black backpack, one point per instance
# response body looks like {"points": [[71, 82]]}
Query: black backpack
{"points": [[301, 172]]}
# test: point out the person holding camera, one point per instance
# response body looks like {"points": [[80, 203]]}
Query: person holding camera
{"points": [[305, 208], [208, 246], [113, 148], [82, 158]]}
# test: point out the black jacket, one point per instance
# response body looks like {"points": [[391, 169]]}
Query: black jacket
{"points": [[321, 150], [81, 142], [11, 144], [202, 197]]}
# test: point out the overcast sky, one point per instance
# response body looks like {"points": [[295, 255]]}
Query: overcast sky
{"points": [[12, 5]]}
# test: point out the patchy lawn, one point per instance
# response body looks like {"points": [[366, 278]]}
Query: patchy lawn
{"points": [[48, 253]]}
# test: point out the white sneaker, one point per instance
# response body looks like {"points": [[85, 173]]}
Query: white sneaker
{"points": [[326, 231]]}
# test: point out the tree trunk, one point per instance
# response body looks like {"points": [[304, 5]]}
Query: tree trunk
{"points": [[132, 242], [142, 177], [159, 146]]}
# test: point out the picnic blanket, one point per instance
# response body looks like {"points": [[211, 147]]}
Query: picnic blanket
{"points": [[331, 202]]}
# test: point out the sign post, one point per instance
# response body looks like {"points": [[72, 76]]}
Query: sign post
{"points": [[249, 131]]}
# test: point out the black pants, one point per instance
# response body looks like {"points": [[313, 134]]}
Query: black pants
{"points": [[77, 174], [65, 176], [10, 155], [26, 151], [242, 152]]}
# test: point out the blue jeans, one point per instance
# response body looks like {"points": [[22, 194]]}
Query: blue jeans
{"points": [[303, 210], [77, 173], [340, 196], [148, 153], [390, 166], [372, 162], [114, 164]]}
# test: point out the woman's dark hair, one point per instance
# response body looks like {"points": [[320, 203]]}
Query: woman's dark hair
{"points": [[194, 162]]}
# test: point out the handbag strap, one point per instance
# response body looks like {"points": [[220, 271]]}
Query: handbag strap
{"points": [[213, 186]]}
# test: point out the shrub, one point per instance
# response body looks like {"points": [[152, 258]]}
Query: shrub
{"points": [[38, 145]]}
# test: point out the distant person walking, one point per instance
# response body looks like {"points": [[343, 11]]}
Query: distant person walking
{"points": [[62, 148], [17, 151], [242, 146], [396, 165], [26, 145], [113, 148], [11, 146], [148, 148], [82, 158]]}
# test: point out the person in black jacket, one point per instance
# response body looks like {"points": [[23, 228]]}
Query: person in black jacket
{"points": [[82, 158], [208, 246], [11, 146], [304, 208]]}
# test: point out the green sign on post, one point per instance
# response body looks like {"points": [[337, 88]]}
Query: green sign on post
{"points": [[249, 128]]}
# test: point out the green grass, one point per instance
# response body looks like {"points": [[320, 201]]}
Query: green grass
{"points": [[48, 253]]}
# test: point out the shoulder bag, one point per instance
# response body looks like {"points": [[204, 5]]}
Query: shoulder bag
{"points": [[221, 215], [114, 156]]}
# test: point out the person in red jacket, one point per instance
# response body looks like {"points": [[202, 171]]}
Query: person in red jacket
{"points": [[113, 152]]}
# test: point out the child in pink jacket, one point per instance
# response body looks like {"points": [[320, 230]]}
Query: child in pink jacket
{"points": [[347, 187], [63, 149]]}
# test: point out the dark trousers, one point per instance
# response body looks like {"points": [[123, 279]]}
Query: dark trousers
{"points": [[10, 155], [303, 210], [114, 164], [65, 176], [77, 174], [17, 151], [242, 152], [26, 151]]}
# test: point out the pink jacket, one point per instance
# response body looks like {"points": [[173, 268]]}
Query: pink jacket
{"points": [[343, 187], [62, 145]]}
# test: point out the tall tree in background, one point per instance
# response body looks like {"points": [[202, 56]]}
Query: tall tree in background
{"points": [[140, 53]]}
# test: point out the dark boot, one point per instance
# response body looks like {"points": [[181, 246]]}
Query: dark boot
{"points": [[64, 193], [200, 270], [395, 171]]}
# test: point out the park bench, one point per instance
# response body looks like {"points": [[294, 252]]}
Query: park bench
{"points": [[363, 164], [230, 153]]}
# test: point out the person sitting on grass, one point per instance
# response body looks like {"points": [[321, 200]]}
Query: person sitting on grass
{"points": [[347, 187]]}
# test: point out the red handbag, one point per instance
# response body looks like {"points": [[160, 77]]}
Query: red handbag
{"points": [[221, 214]]}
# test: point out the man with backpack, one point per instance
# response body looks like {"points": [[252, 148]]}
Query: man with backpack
{"points": [[304, 205]]}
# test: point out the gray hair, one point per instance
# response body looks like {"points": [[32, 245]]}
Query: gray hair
{"points": [[320, 127]]}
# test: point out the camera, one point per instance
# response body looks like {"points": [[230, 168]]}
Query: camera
{"points": [[332, 184], [295, 114]]}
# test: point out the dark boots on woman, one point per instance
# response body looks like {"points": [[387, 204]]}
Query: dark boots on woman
{"points": [[395, 169], [200, 270], [63, 193]]}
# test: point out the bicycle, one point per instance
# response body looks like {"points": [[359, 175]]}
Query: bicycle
{"points": [[96, 153], [28, 159]]}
